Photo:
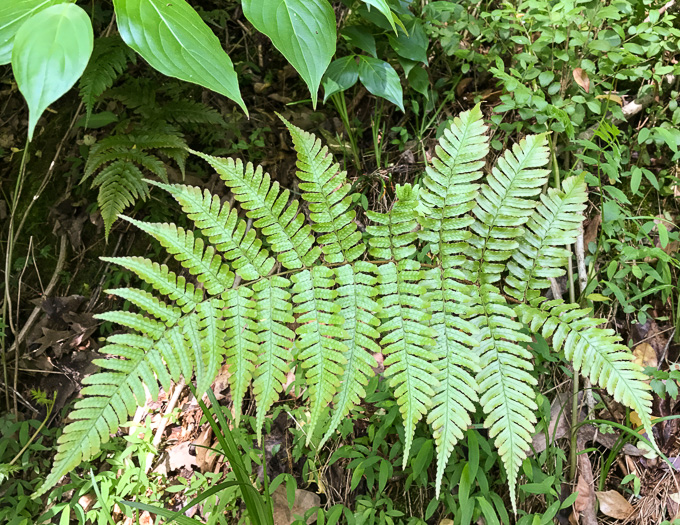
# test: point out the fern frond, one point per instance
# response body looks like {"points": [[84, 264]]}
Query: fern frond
{"points": [[212, 339], [131, 156], [541, 255], [283, 225], [190, 112], [120, 185], [273, 314], [227, 233], [407, 341], [356, 297], [109, 59], [111, 396], [191, 252], [505, 382], [149, 303], [450, 190], [456, 360], [241, 339], [320, 337], [162, 279], [504, 205], [395, 235], [595, 352], [136, 322], [326, 190]]}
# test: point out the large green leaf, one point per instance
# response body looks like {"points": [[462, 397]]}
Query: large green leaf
{"points": [[13, 13], [51, 51], [174, 40], [342, 74], [303, 30], [381, 80]]}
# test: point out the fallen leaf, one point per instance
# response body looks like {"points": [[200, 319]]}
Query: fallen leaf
{"points": [[591, 230], [581, 78], [675, 497], [613, 98], [645, 355], [614, 505], [304, 500], [584, 506], [446, 522]]}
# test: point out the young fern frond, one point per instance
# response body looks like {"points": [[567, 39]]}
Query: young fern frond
{"points": [[450, 339]]}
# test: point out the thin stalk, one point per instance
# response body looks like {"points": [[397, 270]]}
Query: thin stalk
{"points": [[341, 107], [7, 301]]}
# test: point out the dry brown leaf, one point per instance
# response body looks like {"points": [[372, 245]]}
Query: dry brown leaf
{"points": [[584, 506], [446, 522], [613, 98], [645, 355], [614, 505], [591, 232], [581, 78]]}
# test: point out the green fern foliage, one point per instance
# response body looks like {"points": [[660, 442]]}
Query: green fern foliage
{"points": [[109, 60], [120, 162], [443, 284]]}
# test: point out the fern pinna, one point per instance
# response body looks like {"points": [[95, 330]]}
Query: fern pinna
{"points": [[281, 291]]}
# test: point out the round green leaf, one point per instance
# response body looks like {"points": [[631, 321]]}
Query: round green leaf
{"points": [[302, 30], [13, 13], [342, 74], [174, 40], [51, 51], [381, 80]]}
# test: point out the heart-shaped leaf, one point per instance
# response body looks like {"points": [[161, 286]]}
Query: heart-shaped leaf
{"points": [[302, 30], [381, 80], [342, 74], [13, 13], [174, 40], [51, 51]]}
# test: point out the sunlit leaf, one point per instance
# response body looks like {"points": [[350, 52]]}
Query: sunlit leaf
{"points": [[302, 30], [13, 13], [174, 40], [51, 51]]}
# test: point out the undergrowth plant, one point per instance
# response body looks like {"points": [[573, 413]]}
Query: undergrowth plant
{"points": [[285, 290]]}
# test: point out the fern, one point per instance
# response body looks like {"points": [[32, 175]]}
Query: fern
{"points": [[450, 337], [109, 59]]}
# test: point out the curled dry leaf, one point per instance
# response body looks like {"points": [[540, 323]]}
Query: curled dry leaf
{"points": [[614, 505], [581, 78]]}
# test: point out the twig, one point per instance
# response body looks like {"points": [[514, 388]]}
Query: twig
{"points": [[662, 10], [50, 287]]}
